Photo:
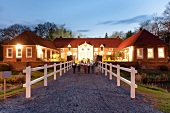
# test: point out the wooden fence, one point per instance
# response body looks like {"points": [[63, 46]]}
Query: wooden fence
{"points": [[28, 70], [107, 68]]}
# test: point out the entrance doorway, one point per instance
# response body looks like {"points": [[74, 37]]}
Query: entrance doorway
{"points": [[85, 51]]}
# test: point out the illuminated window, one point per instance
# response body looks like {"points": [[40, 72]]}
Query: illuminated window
{"points": [[110, 49], [139, 53], [75, 49], [9, 52], [150, 53], [18, 52], [161, 52], [62, 50], [95, 49], [95, 53], [29, 52], [69, 47]]}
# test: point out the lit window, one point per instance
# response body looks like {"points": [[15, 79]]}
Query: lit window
{"points": [[161, 52], [18, 52], [9, 53], [139, 53], [95, 49], [95, 53], [69, 47], [62, 50], [29, 52], [75, 49], [150, 53], [110, 49]]}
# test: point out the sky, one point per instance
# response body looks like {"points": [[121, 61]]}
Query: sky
{"points": [[92, 18]]}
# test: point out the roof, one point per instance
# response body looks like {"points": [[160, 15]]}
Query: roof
{"points": [[29, 38], [96, 42], [141, 38]]}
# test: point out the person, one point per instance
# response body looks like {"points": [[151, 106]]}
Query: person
{"points": [[96, 67]]}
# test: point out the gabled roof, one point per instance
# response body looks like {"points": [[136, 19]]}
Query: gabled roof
{"points": [[142, 38], [96, 42], [29, 38]]}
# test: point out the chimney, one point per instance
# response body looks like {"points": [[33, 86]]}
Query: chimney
{"points": [[78, 37], [117, 37], [140, 29]]}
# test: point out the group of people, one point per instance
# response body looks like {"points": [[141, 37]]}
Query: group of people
{"points": [[85, 67]]}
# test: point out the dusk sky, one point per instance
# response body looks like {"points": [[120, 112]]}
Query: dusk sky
{"points": [[92, 18]]}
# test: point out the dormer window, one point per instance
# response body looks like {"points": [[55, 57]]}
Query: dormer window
{"points": [[69, 47], [102, 47]]}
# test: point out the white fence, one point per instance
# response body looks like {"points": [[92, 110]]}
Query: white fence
{"points": [[103, 67], [28, 71]]}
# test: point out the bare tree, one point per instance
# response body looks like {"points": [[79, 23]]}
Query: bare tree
{"points": [[12, 31]]}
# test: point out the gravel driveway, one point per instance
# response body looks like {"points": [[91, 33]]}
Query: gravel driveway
{"points": [[73, 93]]}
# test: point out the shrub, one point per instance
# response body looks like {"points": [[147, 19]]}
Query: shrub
{"points": [[163, 68], [4, 67]]}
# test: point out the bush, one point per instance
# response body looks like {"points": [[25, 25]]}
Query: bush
{"points": [[4, 67], [163, 68]]}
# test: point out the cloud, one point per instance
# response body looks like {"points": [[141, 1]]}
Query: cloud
{"points": [[135, 19], [106, 22], [83, 30]]}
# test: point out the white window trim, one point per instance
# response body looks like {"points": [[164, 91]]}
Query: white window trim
{"points": [[17, 53], [163, 52], [27, 51], [137, 53], [153, 53], [101, 47], [7, 53]]}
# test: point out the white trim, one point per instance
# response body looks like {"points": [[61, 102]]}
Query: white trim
{"points": [[27, 52], [139, 57], [162, 53], [11, 52]]}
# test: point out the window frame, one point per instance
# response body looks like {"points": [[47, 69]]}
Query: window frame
{"points": [[163, 52], [27, 52], [139, 57], [7, 55], [152, 52], [18, 52]]}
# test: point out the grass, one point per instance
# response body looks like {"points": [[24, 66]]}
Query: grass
{"points": [[159, 97], [20, 89]]}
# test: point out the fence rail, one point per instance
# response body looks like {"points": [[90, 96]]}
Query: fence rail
{"points": [[28, 71], [104, 68]]}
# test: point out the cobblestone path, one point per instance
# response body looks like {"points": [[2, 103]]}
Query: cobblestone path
{"points": [[73, 93]]}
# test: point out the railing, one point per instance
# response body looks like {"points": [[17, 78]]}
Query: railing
{"points": [[28, 71], [103, 67]]}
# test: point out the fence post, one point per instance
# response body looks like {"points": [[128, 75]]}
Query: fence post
{"points": [[105, 69], [54, 71], [102, 68], [132, 94], [28, 80], [60, 68], [64, 67], [67, 65], [110, 71], [118, 75], [45, 75]]}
